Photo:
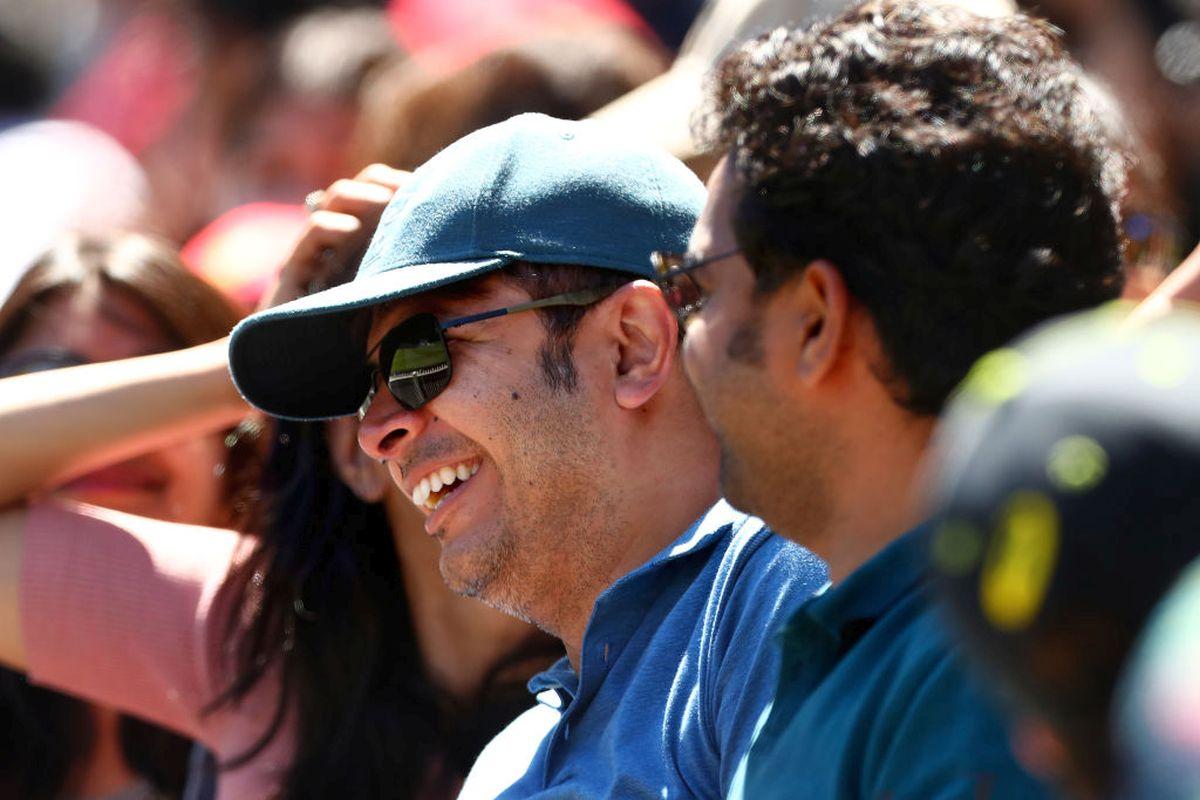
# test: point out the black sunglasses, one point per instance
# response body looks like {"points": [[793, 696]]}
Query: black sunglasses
{"points": [[416, 361], [678, 286]]}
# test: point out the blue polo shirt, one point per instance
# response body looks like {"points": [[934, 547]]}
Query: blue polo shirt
{"points": [[874, 702], [678, 663]]}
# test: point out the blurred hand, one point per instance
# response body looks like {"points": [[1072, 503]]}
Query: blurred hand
{"points": [[338, 230], [1183, 284]]}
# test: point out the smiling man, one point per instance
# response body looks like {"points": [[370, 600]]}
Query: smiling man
{"points": [[522, 385], [904, 188]]}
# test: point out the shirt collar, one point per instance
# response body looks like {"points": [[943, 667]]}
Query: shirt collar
{"points": [[701, 535], [876, 586], [558, 675]]}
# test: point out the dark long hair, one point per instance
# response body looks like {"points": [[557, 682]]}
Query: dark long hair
{"points": [[328, 613], [44, 732]]}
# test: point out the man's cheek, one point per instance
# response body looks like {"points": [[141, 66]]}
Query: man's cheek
{"points": [[704, 368], [394, 470], [693, 345]]}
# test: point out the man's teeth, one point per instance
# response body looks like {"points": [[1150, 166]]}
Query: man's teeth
{"points": [[441, 479]]}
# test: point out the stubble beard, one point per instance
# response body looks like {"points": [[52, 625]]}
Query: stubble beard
{"points": [[778, 469], [475, 578], [540, 561]]}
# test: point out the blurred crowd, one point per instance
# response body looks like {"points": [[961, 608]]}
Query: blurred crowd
{"points": [[185, 112], [166, 161]]}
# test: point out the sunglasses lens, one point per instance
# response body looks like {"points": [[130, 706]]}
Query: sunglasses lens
{"points": [[417, 390], [416, 361]]}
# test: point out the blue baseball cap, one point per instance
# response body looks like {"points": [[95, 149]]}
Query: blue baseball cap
{"points": [[532, 188]]}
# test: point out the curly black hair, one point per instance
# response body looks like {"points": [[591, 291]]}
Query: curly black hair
{"points": [[949, 165]]}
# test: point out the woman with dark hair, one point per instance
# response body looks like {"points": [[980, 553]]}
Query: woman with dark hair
{"points": [[102, 298], [321, 657], [95, 299], [395, 683]]}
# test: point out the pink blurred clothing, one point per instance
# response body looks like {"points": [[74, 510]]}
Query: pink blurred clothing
{"points": [[449, 34], [128, 612], [242, 251], [141, 84]]}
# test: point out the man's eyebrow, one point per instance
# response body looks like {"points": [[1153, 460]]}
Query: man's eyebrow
{"points": [[381, 310], [431, 305], [439, 301]]}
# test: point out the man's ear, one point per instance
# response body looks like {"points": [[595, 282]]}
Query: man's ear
{"points": [[808, 320], [645, 333], [364, 475]]}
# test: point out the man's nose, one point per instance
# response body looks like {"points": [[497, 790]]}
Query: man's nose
{"points": [[388, 427]]}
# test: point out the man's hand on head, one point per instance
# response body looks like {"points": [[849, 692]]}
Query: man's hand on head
{"points": [[339, 227]]}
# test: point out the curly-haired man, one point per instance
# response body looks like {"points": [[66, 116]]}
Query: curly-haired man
{"points": [[904, 188]]}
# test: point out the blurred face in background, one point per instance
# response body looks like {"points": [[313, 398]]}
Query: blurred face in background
{"points": [[94, 323]]}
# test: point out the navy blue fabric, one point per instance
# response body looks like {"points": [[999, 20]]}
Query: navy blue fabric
{"points": [[678, 662]]}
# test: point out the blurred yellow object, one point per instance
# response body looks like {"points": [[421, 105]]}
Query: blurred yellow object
{"points": [[1020, 561], [1077, 464], [957, 547], [998, 377], [1166, 361]]}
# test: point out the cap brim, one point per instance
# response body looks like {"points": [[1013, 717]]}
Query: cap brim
{"points": [[304, 360]]}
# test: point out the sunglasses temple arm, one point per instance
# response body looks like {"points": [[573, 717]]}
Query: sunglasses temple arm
{"points": [[581, 298], [454, 323], [666, 273]]}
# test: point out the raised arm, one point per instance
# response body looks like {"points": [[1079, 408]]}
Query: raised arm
{"points": [[1181, 286], [60, 424]]}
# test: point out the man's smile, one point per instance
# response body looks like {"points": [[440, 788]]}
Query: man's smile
{"points": [[438, 482]]}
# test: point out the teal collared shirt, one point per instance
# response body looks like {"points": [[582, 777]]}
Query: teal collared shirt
{"points": [[873, 701]]}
